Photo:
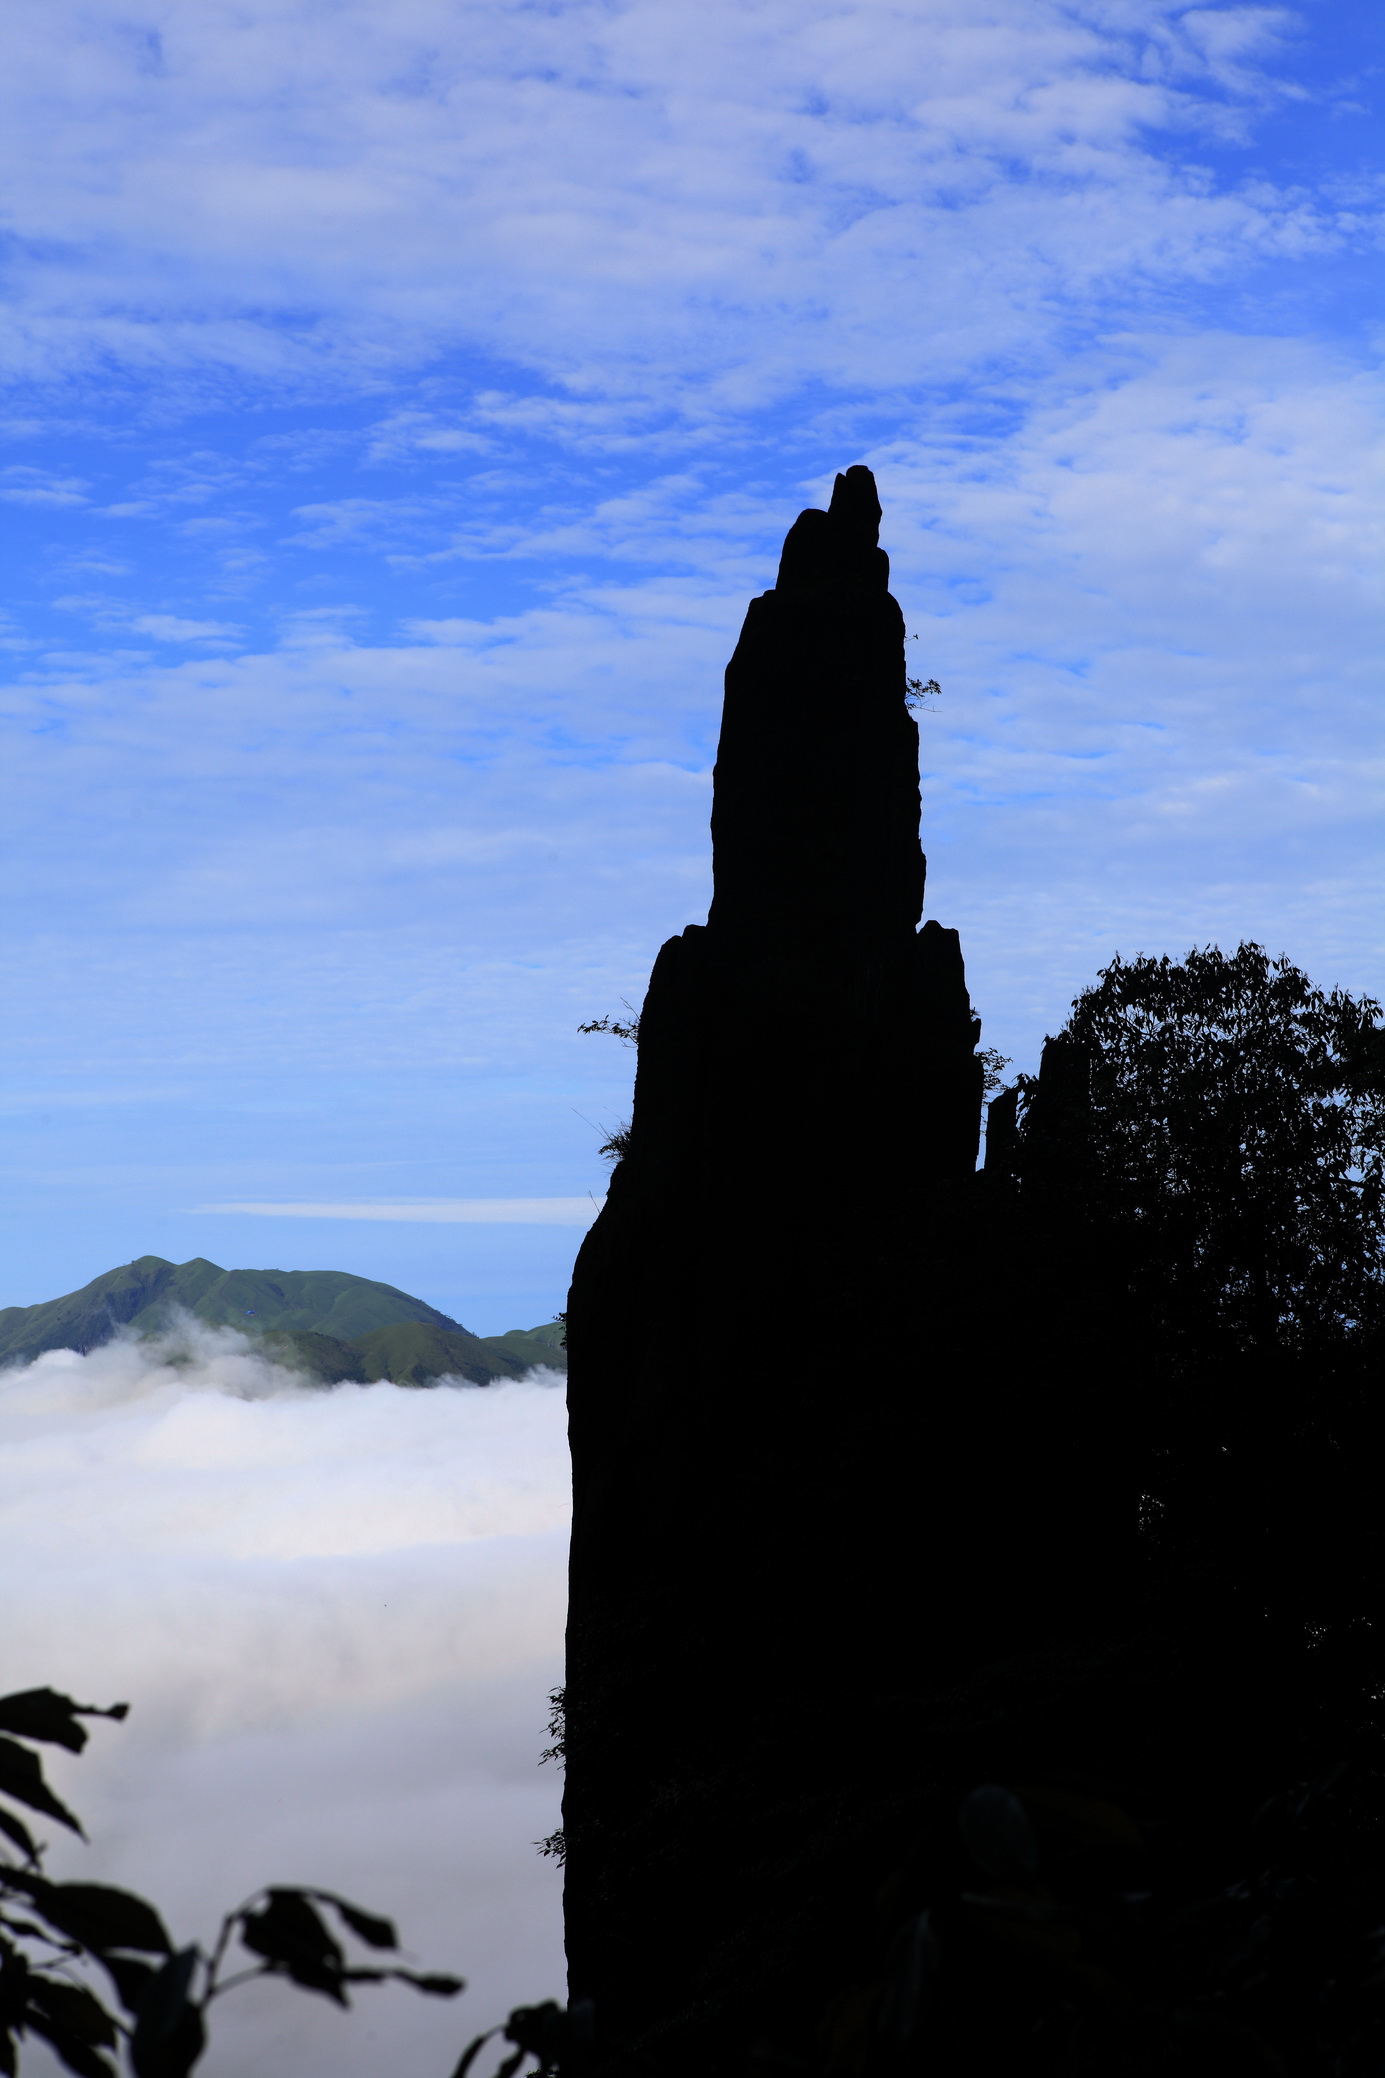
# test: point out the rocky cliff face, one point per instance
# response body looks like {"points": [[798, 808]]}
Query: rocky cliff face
{"points": [[759, 1555], [820, 1604]]}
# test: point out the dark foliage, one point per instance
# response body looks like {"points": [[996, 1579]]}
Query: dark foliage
{"points": [[919, 692], [1065, 1927], [1199, 1176], [557, 1728], [1229, 1118], [557, 2038], [555, 1844], [51, 1933], [993, 1064], [626, 1029], [616, 1145]]}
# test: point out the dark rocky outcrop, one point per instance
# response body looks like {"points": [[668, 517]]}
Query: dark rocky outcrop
{"points": [[826, 1606], [772, 1561]]}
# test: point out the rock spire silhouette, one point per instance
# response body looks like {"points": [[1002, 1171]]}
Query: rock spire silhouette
{"points": [[765, 1332], [872, 1668]]}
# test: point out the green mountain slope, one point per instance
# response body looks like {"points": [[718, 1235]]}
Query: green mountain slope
{"points": [[413, 1352], [321, 1358], [83, 1319], [326, 1323], [320, 1302], [529, 1346]]}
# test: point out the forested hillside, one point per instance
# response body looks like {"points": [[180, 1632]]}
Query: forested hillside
{"points": [[327, 1323]]}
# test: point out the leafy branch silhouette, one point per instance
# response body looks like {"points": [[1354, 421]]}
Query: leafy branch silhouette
{"points": [[159, 1994]]}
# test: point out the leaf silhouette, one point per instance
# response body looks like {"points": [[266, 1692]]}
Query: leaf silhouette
{"points": [[96, 1914], [130, 1978], [293, 1939], [17, 1831], [41, 1713], [169, 2033], [376, 1933], [435, 1982], [73, 2008], [21, 1777], [472, 2051]]}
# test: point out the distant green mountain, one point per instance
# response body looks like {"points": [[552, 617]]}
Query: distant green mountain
{"points": [[326, 1323], [413, 1351], [533, 1345]]}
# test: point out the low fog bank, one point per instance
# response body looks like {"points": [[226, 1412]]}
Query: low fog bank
{"points": [[337, 1616]]}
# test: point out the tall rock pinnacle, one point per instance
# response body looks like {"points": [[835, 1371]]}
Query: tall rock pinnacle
{"points": [[766, 1333], [815, 817]]}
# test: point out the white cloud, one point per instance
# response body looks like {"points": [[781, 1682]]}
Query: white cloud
{"points": [[1153, 607], [109, 615], [27, 486], [360, 519], [168, 627], [420, 432], [734, 198], [1169, 566], [336, 1616], [484, 1212]]}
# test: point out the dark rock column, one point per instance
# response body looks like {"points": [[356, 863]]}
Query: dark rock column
{"points": [[768, 1336]]}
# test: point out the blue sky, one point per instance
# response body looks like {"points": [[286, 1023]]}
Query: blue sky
{"points": [[402, 404]]}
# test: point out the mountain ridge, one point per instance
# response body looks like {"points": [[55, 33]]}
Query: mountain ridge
{"points": [[329, 1324]]}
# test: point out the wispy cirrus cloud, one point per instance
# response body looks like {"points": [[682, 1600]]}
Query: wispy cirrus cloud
{"points": [[108, 614], [168, 627], [722, 201], [21, 485], [476, 1212], [363, 521]]}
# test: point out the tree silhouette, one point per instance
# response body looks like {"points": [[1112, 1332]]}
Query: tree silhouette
{"points": [[1233, 1127], [1200, 1167]]}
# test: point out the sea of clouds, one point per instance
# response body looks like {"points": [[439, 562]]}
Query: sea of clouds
{"points": [[337, 1616]]}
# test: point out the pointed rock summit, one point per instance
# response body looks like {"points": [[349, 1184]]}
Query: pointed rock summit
{"points": [[872, 1669], [759, 1540]]}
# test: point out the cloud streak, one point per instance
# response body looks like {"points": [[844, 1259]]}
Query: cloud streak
{"points": [[483, 1212]]}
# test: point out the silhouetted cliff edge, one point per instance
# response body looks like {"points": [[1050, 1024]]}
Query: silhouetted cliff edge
{"points": [[771, 1563], [894, 1744]]}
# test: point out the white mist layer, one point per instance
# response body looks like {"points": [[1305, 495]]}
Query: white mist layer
{"points": [[336, 1616]]}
